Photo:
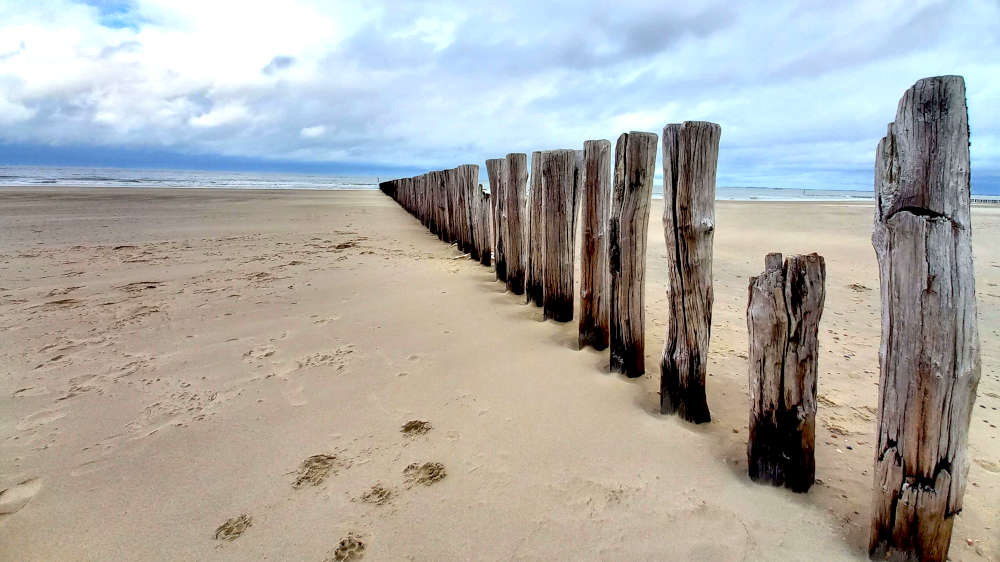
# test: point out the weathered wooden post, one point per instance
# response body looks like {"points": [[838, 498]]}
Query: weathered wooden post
{"points": [[558, 183], [516, 168], [929, 357], [594, 273], [535, 270], [690, 156], [468, 178], [496, 174], [628, 227], [783, 312], [485, 218]]}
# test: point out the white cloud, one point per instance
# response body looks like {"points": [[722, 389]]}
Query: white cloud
{"points": [[225, 115], [312, 132]]}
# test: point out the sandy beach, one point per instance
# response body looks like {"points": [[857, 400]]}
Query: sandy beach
{"points": [[170, 358]]}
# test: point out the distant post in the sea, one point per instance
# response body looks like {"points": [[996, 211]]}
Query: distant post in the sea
{"points": [[516, 168], [534, 271], [594, 273], [628, 227], [558, 183], [495, 173], [690, 156], [929, 357], [783, 313]]}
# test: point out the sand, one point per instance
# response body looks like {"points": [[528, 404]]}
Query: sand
{"points": [[171, 360]]}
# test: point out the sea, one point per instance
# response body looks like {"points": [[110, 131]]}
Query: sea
{"points": [[132, 177]]}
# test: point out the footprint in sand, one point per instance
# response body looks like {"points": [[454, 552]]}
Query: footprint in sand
{"points": [[39, 419], [233, 528], [14, 498], [426, 474], [377, 495], [989, 466], [30, 391], [351, 547], [413, 428], [314, 470], [338, 358]]}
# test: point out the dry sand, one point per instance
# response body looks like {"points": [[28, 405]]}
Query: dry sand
{"points": [[171, 360]]}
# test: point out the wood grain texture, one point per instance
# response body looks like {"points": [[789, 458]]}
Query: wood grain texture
{"points": [[468, 177], [485, 219], [690, 156], [558, 184], [535, 266], [929, 356], [595, 281], [496, 175], [516, 168], [784, 308], [628, 225]]}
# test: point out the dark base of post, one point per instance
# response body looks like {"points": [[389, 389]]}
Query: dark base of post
{"points": [[594, 337], [534, 292], [515, 284], [627, 362], [558, 311], [777, 456], [689, 403]]}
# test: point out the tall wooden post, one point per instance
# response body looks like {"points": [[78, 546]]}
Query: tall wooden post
{"points": [[497, 176], [535, 270], [690, 156], [594, 273], [558, 183], [929, 357], [783, 312], [628, 227], [517, 177], [485, 219]]}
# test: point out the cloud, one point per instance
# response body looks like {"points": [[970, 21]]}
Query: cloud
{"points": [[312, 132], [279, 62], [803, 91]]}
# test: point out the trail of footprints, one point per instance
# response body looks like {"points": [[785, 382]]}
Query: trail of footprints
{"points": [[316, 469]]}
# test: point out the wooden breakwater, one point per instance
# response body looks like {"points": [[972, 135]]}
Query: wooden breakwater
{"points": [[929, 357]]}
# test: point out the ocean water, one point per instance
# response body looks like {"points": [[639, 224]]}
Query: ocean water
{"points": [[126, 177], [130, 177]]}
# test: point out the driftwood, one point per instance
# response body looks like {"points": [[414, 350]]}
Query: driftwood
{"points": [[515, 183], [783, 312], [535, 269], [497, 175], [594, 274], [690, 155], [558, 183], [628, 227], [929, 357]]}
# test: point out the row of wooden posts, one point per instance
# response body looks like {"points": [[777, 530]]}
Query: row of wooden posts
{"points": [[929, 358]]}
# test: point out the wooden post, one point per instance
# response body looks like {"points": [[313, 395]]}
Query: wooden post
{"points": [[783, 312], [485, 216], [690, 155], [628, 227], [929, 357], [558, 182], [517, 177], [468, 179], [594, 272], [497, 175], [535, 270]]}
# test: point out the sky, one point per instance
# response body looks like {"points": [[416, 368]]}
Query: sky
{"points": [[803, 90]]}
